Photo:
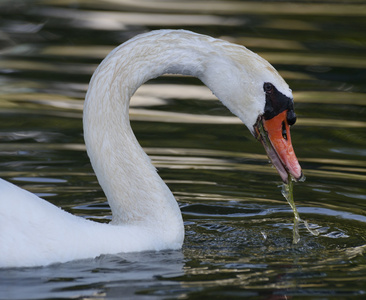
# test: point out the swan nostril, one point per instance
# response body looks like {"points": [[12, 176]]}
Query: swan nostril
{"points": [[284, 130]]}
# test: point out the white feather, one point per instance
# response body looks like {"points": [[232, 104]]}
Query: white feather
{"points": [[146, 216]]}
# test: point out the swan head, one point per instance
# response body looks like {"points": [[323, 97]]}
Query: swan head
{"points": [[255, 92], [272, 129]]}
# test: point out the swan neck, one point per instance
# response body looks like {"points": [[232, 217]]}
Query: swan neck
{"points": [[132, 186], [124, 171]]}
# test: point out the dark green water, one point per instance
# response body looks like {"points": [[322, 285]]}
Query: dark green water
{"points": [[238, 226]]}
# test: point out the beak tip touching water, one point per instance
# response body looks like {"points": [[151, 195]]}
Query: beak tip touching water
{"points": [[274, 134]]}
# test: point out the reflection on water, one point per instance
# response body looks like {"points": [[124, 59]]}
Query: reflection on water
{"points": [[238, 226]]}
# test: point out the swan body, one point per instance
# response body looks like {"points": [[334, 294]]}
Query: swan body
{"points": [[49, 234], [145, 215]]}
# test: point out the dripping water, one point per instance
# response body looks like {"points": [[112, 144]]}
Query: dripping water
{"points": [[287, 192]]}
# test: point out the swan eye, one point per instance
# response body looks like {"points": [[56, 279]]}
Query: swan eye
{"points": [[268, 87]]}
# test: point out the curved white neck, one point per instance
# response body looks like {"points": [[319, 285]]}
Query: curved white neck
{"points": [[132, 186]]}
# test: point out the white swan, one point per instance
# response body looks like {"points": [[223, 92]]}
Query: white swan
{"points": [[146, 216]]}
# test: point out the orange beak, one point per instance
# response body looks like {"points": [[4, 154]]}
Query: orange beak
{"points": [[274, 134]]}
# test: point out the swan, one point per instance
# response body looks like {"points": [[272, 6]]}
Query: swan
{"points": [[145, 214]]}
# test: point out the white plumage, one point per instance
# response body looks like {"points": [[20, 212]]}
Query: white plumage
{"points": [[146, 216]]}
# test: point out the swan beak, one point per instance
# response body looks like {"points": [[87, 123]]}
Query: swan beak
{"points": [[274, 134]]}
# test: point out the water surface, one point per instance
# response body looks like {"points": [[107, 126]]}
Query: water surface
{"points": [[238, 226]]}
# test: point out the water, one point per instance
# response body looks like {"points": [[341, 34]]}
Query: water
{"points": [[238, 226], [288, 193]]}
